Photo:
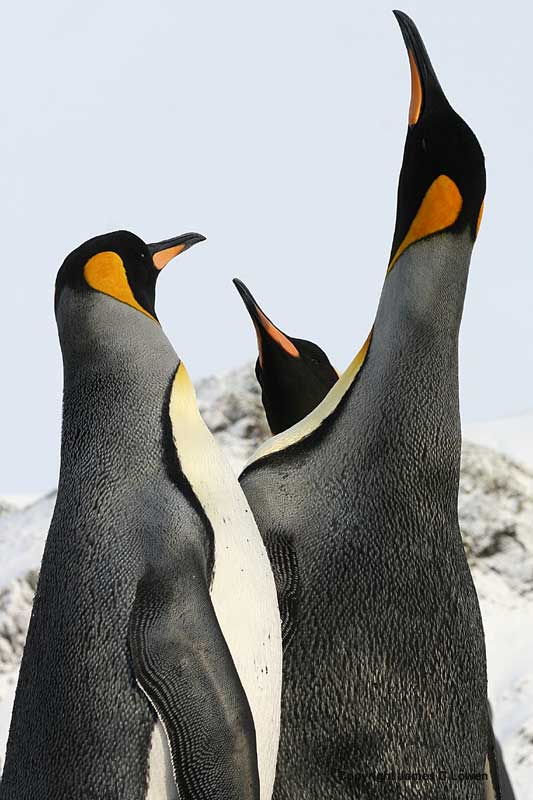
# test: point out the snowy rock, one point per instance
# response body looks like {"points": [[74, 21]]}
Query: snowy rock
{"points": [[5, 507], [16, 600], [231, 407], [496, 518], [22, 536], [525, 745]]}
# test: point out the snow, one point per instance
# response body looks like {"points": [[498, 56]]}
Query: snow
{"points": [[508, 621], [496, 517], [22, 536], [12, 501]]}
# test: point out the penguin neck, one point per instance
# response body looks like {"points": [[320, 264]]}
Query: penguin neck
{"points": [[419, 316], [404, 404], [413, 348], [118, 368]]}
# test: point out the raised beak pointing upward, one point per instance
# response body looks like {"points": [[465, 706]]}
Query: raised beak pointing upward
{"points": [[163, 252], [263, 326], [426, 91]]}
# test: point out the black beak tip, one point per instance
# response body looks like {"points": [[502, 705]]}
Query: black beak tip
{"points": [[407, 27], [193, 238], [185, 239], [242, 289], [414, 43], [246, 296], [401, 16]]}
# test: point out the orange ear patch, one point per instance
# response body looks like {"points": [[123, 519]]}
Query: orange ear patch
{"points": [[439, 209], [276, 335], [162, 258], [416, 91], [105, 272]]}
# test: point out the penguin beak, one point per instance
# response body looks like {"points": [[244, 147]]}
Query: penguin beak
{"points": [[263, 326], [165, 251], [425, 87]]}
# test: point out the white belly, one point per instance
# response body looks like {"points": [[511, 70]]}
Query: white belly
{"points": [[161, 785], [245, 602], [243, 591]]}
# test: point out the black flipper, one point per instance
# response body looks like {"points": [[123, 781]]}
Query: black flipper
{"points": [[498, 779], [182, 663]]}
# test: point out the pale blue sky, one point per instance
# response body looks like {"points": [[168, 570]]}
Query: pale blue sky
{"points": [[275, 129]]}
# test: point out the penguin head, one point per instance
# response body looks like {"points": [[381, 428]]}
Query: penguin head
{"points": [[442, 179], [294, 374], [122, 266]]}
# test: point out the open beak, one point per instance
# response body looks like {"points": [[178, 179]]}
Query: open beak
{"points": [[425, 87], [165, 251], [264, 326]]}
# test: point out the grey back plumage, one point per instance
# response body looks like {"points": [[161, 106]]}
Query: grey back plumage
{"points": [[113, 495]]}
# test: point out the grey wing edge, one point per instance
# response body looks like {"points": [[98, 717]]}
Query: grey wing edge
{"points": [[182, 663]]}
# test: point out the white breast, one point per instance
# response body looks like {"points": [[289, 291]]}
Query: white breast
{"points": [[161, 783], [243, 591]]}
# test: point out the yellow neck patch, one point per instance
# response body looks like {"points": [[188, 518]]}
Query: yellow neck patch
{"points": [[106, 273], [439, 209]]}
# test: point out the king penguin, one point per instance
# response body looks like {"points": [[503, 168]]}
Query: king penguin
{"points": [[152, 667], [294, 374], [310, 374], [384, 672]]}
